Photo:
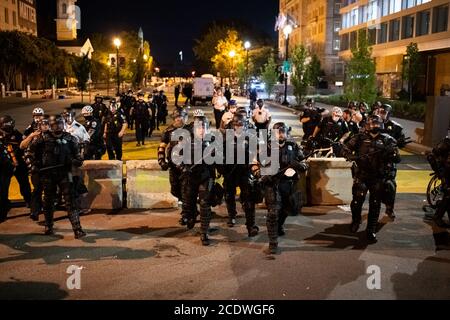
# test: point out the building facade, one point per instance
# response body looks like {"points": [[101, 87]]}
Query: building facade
{"points": [[391, 25], [318, 25], [18, 15]]}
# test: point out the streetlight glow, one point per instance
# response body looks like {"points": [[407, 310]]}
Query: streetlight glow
{"points": [[247, 45], [117, 42], [145, 57], [287, 30], [232, 54]]}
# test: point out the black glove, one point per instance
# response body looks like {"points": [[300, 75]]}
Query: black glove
{"points": [[164, 165]]}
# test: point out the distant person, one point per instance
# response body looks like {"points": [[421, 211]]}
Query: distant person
{"points": [[227, 94], [220, 104], [177, 94], [187, 91]]}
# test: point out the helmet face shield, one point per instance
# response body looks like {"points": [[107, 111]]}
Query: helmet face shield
{"points": [[375, 124], [201, 128], [56, 125]]}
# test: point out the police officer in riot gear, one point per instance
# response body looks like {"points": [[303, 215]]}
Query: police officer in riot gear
{"points": [[11, 140], [239, 174], [7, 171], [38, 115], [373, 153], [439, 160], [281, 193], [332, 131], [165, 155], [115, 127], [310, 118], [395, 130], [128, 102], [141, 115], [197, 180], [94, 150], [100, 110], [53, 154]]}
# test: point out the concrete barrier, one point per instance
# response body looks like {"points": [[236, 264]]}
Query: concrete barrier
{"points": [[104, 180], [148, 187], [329, 182]]}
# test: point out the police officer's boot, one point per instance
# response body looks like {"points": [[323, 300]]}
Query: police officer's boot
{"points": [[390, 211], [49, 223], [76, 225], [372, 223], [205, 239], [253, 231], [231, 222], [356, 216], [272, 249], [281, 231]]}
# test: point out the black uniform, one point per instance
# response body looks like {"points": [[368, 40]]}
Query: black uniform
{"points": [[374, 158], [127, 103], [100, 111], [281, 193], [165, 160], [395, 130], [96, 147], [114, 123], [314, 119], [6, 173], [240, 175], [331, 132], [177, 94], [11, 142], [161, 104], [141, 117], [197, 183], [34, 126], [440, 163], [53, 157]]}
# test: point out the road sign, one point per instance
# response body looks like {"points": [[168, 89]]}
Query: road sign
{"points": [[286, 67]]}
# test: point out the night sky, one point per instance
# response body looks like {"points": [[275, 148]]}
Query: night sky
{"points": [[171, 25]]}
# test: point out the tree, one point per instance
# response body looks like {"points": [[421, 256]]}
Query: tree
{"points": [[314, 71], [299, 78], [82, 69], [360, 78], [223, 62], [269, 74], [412, 67]]}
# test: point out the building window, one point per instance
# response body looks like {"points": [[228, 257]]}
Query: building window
{"points": [[64, 8], [372, 36], [372, 10], [6, 16], [395, 6], [337, 7], [384, 8], [362, 15], [407, 27], [354, 17], [14, 19], [382, 33], [345, 42], [440, 19], [336, 44], [321, 28], [353, 39], [394, 30], [337, 26], [423, 23], [408, 4], [339, 69]]}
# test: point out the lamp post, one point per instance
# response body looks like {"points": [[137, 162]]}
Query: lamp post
{"points": [[118, 43], [232, 54], [247, 46], [107, 81], [287, 31]]}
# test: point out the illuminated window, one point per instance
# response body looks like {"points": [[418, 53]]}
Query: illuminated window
{"points": [[394, 30], [383, 33]]}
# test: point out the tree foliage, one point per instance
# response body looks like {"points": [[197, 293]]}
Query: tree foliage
{"points": [[412, 67], [314, 71], [222, 61], [269, 74], [300, 79], [360, 82]]}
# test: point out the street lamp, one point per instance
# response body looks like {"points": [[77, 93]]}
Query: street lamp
{"points": [[287, 30], [118, 43], [247, 46], [232, 54]]}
